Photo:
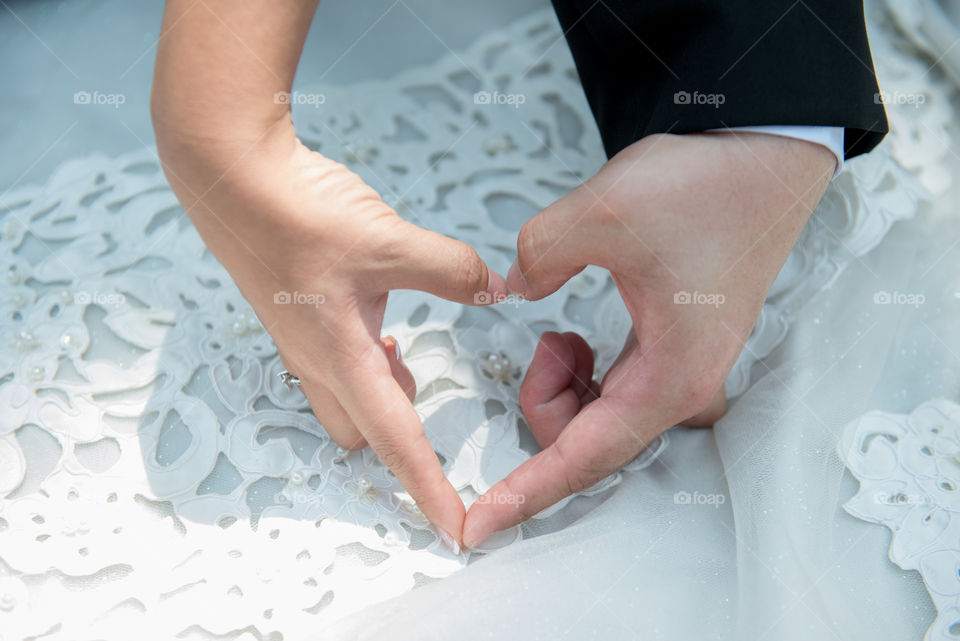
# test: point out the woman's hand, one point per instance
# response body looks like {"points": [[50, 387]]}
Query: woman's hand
{"points": [[281, 218], [694, 229]]}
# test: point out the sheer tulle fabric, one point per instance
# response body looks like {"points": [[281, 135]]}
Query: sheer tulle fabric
{"points": [[739, 532]]}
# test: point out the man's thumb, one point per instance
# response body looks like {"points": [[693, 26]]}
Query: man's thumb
{"points": [[554, 246]]}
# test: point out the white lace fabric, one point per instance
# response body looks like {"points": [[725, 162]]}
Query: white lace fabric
{"points": [[909, 471], [155, 473]]}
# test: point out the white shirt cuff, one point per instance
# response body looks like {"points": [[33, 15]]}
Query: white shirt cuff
{"points": [[829, 137]]}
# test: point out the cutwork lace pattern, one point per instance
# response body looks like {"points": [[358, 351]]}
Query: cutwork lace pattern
{"points": [[155, 472], [909, 472]]}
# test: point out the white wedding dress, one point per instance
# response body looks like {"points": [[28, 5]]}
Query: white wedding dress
{"points": [[157, 479]]}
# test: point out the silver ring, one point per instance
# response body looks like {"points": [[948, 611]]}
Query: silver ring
{"points": [[288, 379]]}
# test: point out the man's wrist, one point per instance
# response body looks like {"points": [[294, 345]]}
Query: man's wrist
{"points": [[830, 137]]}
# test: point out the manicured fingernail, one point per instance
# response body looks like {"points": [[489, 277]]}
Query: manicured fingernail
{"points": [[471, 538], [396, 346], [516, 283], [448, 540]]}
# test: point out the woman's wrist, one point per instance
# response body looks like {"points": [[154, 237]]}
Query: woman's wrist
{"points": [[201, 163], [214, 136]]}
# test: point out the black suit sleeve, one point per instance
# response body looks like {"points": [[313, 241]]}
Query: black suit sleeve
{"points": [[680, 66]]}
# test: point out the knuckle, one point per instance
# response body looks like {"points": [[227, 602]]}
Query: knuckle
{"points": [[579, 473], [391, 454], [389, 245], [471, 272], [395, 453]]}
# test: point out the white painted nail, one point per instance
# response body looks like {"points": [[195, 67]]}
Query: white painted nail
{"points": [[448, 540]]}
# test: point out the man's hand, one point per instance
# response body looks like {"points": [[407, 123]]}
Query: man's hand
{"points": [[694, 229]]}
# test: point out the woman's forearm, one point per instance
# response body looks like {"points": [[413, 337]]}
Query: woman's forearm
{"points": [[220, 65]]}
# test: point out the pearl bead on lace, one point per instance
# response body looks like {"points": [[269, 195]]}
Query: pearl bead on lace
{"points": [[498, 366], [365, 483], [25, 341], [364, 489], [245, 323], [413, 510], [70, 340]]}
